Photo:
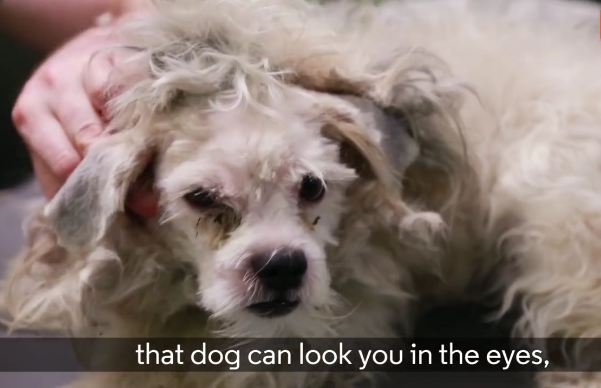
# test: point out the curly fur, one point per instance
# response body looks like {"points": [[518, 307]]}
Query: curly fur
{"points": [[455, 137]]}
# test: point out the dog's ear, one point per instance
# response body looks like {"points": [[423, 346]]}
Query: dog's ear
{"points": [[376, 144], [416, 94], [376, 140], [96, 191], [420, 164]]}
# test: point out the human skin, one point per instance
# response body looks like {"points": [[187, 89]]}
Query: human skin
{"points": [[59, 111]]}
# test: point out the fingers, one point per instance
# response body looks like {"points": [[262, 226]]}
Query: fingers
{"points": [[55, 115], [59, 112], [95, 79], [80, 110], [45, 136], [105, 76], [49, 183], [78, 119]]}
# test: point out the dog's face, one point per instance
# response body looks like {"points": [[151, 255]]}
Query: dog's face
{"points": [[249, 199], [256, 198]]}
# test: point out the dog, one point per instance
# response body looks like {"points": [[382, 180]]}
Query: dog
{"points": [[327, 170]]}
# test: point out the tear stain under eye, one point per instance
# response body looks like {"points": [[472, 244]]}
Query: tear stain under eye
{"points": [[219, 219], [226, 222], [316, 220], [197, 225]]}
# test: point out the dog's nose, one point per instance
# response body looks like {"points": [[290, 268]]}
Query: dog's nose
{"points": [[281, 270]]}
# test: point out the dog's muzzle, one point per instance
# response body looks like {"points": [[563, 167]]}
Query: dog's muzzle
{"points": [[280, 273]]}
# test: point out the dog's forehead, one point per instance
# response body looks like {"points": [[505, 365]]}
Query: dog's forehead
{"points": [[239, 149], [249, 134]]}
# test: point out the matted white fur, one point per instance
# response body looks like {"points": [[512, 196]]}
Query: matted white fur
{"points": [[455, 138]]}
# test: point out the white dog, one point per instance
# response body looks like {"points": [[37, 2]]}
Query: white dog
{"points": [[324, 168]]}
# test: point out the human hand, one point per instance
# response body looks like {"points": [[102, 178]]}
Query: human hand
{"points": [[61, 111]]}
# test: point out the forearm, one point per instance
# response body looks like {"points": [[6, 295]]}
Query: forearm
{"points": [[45, 24]]}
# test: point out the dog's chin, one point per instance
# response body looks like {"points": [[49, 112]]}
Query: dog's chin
{"points": [[274, 308], [274, 318]]}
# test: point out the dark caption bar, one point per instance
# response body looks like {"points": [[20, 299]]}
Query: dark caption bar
{"points": [[298, 354]]}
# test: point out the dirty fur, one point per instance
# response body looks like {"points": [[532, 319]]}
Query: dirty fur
{"points": [[454, 138]]}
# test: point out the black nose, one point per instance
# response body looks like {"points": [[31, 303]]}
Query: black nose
{"points": [[280, 270]]}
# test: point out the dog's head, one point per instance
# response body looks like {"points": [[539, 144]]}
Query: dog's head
{"points": [[257, 201], [251, 199], [259, 172]]}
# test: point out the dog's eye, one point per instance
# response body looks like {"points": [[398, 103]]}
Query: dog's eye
{"points": [[201, 199], [312, 189]]}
